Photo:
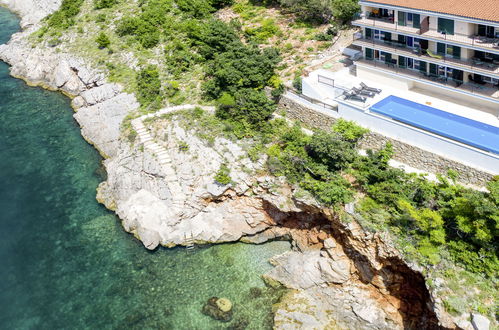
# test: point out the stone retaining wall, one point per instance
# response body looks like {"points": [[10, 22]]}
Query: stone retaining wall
{"points": [[403, 152]]}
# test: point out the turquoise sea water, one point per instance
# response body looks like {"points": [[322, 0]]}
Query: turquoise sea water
{"points": [[66, 263]]}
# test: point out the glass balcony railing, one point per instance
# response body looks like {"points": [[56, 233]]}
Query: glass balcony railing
{"points": [[390, 25], [479, 89], [399, 48]]}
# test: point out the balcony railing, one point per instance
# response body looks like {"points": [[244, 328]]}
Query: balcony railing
{"points": [[386, 24], [474, 41], [397, 48], [487, 90]]}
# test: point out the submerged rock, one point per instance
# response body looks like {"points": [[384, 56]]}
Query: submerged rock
{"points": [[218, 308]]}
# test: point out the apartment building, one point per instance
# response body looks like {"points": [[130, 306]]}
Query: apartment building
{"points": [[449, 47]]}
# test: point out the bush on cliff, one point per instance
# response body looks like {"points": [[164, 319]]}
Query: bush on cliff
{"points": [[103, 41], [64, 17], [149, 87]]}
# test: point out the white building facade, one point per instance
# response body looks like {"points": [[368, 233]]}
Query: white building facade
{"points": [[447, 47]]}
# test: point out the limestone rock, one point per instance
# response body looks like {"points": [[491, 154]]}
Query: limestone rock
{"points": [[479, 322], [308, 269], [334, 271], [32, 11], [100, 123]]}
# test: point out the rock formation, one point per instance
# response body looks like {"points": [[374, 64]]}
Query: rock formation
{"points": [[31, 11]]}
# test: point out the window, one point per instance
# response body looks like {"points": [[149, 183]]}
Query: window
{"points": [[417, 43], [445, 26], [448, 50], [402, 62], [440, 48], [385, 57], [433, 69], [401, 18], [410, 63], [387, 36], [420, 65], [486, 31], [369, 53], [490, 80], [369, 33], [416, 21]]}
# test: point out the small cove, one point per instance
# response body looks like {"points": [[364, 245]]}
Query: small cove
{"points": [[66, 261]]}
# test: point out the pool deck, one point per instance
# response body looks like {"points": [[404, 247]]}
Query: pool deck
{"points": [[344, 79]]}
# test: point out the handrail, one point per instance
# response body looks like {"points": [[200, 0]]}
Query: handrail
{"points": [[474, 41], [439, 80], [311, 99], [398, 49]]}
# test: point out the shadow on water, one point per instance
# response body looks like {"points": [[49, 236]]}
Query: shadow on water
{"points": [[66, 262]]}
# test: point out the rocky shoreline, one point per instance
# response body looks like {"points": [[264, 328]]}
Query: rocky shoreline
{"points": [[340, 275]]}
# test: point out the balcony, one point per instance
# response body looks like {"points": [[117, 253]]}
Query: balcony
{"points": [[385, 24], [486, 90], [466, 41], [474, 41], [396, 48]]}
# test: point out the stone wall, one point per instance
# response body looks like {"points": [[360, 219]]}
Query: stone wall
{"points": [[403, 152]]}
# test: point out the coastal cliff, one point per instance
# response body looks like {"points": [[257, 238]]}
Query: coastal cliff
{"points": [[161, 184]]}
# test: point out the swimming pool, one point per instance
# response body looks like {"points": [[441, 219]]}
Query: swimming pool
{"points": [[465, 130]]}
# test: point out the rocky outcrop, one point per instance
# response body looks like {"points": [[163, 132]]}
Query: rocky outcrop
{"points": [[31, 11], [166, 196], [100, 106]]}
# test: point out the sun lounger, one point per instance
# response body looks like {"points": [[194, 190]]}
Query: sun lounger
{"points": [[364, 92], [371, 89], [353, 96], [431, 54]]}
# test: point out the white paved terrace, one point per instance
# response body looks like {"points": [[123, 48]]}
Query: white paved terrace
{"points": [[344, 79]]}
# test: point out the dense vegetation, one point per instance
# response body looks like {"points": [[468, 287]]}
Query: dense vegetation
{"points": [[437, 217], [320, 11]]}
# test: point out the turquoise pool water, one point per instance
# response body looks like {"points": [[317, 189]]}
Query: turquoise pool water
{"points": [[67, 263], [465, 130]]}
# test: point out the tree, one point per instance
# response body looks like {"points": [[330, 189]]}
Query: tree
{"points": [[349, 130], [344, 10], [331, 150], [149, 85], [247, 105], [103, 40]]}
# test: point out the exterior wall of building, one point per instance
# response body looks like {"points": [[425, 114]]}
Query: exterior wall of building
{"points": [[407, 153], [463, 28], [433, 23]]}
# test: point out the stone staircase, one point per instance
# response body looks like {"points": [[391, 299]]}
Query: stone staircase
{"points": [[146, 139]]}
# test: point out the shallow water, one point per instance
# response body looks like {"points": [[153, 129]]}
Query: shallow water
{"points": [[65, 260]]}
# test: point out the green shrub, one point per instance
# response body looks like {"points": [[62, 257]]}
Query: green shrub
{"points": [[332, 192], [223, 175], [103, 40], [64, 17], [100, 4], [349, 130], [297, 83], [246, 105], [149, 85]]}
